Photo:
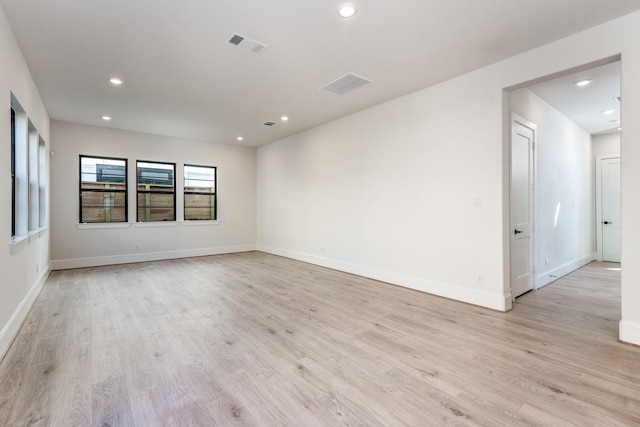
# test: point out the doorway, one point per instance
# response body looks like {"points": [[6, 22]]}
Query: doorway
{"points": [[564, 236]]}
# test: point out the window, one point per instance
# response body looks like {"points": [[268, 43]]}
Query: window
{"points": [[199, 193], [13, 173], [28, 176], [156, 191], [42, 183], [103, 189], [34, 183], [20, 128]]}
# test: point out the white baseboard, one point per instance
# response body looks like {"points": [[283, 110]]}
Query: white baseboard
{"points": [[630, 332], [64, 264], [554, 274], [459, 293], [12, 327]]}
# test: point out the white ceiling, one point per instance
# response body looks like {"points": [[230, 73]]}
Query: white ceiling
{"points": [[182, 78], [584, 105]]}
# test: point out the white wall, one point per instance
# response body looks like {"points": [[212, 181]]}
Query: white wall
{"points": [[606, 144], [565, 189], [388, 191], [77, 246], [24, 265]]}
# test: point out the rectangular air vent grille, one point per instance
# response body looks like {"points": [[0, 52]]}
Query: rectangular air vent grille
{"points": [[345, 84], [247, 44]]}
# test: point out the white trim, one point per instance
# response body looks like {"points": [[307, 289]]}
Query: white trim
{"points": [[446, 290], [157, 224], [554, 274], [34, 235], [107, 225], [630, 332], [99, 225], [190, 222], [64, 264], [11, 329], [17, 243]]}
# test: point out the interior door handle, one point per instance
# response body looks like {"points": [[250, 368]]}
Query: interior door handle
{"points": [[608, 222], [517, 231]]}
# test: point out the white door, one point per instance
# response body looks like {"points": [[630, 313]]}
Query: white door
{"points": [[610, 169], [521, 194]]}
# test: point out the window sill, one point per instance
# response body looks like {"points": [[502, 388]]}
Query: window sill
{"points": [[157, 224], [150, 224], [17, 243], [33, 234], [201, 222], [99, 225]]}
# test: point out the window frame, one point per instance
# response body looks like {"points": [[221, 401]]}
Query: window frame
{"points": [[42, 183], [151, 192], [13, 173], [203, 193], [106, 190], [33, 180], [20, 202]]}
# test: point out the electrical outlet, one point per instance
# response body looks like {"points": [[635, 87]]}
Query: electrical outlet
{"points": [[323, 250], [480, 278]]}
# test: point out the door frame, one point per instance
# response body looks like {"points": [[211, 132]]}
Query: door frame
{"points": [[599, 219], [513, 117]]}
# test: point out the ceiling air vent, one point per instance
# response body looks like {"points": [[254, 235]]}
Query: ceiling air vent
{"points": [[345, 84], [269, 123], [247, 44]]}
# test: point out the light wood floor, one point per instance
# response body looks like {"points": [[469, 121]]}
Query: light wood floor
{"points": [[254, 339]]}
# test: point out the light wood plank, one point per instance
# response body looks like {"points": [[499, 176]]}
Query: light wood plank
{"points": [[253, 339]]}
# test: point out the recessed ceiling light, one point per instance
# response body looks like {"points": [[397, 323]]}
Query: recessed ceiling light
{"points": [[284, 118], [116, 81], [347, 10], [240, 138], [106, 118], [608, 111], [584, 82]]}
